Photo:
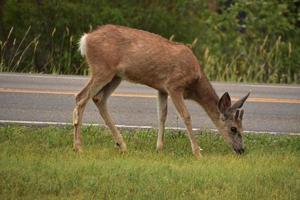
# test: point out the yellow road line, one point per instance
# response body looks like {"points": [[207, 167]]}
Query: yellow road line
{"points": [[36, 91], [136, 95]]}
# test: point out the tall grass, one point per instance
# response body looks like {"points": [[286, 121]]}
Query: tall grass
{"points": [[38, 163], [31, 54], [265, 62]]}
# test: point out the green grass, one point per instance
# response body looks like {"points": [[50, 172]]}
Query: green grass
{"points": [[38, 163]]}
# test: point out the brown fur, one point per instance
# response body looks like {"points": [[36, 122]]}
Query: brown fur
{"points": [[115, 53]]}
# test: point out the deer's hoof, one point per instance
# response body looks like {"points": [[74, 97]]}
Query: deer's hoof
{"points": [[122, 147], [159, 148], [197, 154], [77, 149]]}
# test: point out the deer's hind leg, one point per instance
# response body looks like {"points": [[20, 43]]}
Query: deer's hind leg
{"points": [[101, 102], [94, 85]]}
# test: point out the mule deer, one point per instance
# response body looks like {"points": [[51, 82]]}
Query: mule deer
{"points": [[115, 53]]}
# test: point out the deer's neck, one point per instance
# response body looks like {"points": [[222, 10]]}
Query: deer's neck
{"points": [[206, 96]]}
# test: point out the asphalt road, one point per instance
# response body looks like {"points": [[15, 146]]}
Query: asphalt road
{"points": [[46, 98]]}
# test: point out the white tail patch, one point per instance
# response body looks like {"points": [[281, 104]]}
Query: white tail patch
{"points": [[82, 45]]}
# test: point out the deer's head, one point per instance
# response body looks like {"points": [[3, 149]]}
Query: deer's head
{"points": [[231, 121]]}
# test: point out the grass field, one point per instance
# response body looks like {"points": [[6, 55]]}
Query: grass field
{"points": [[38, 163]]}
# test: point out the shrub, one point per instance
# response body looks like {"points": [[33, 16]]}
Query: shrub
{"points": [[253, 41]]}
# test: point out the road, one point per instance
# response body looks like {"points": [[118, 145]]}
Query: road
{"points": [[26, 98]]}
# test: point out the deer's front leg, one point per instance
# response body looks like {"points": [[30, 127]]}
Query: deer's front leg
{"points": [[181, 108], [162, 116]]}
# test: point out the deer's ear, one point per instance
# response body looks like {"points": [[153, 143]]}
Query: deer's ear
{"points": [[224, 103], [241, 114], [240, 102]]}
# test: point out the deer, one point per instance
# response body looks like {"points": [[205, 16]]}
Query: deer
{"points": [[115, 53]]}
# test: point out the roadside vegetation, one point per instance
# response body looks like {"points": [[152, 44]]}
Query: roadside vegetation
{"points": [[38, 163], [242, 41]]}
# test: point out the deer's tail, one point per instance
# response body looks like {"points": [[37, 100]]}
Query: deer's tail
{"points": [[82, 45]]}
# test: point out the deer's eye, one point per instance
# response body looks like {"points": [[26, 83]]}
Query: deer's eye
{"points": [[233, 129]]}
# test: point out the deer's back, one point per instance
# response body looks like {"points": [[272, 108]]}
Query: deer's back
{"points": [[140, 56]]}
